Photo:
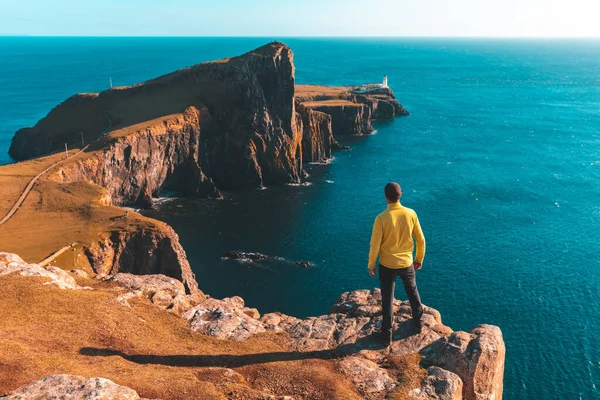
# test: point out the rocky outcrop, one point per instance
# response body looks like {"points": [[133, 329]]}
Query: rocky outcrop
{"points": [[250, 257], [13, 264], [368, 376], [477, 357], [460, 365], [317, 136], [439, 384], [142, 252], [70, 387], [383, 104], [164, 292], [231, 122], [348, 118], [225, 319]]}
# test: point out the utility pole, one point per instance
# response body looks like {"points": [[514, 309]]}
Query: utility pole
{"points": [[66, 151], [81, 140], [110, 79]]}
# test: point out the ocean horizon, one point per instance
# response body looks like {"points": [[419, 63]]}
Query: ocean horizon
{"points": [[500, 158]]}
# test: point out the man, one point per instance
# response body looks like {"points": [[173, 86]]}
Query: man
{"points": [[392, 241]]}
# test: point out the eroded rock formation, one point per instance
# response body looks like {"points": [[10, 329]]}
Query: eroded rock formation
{"points": [[238, 123], [455, 365], [142, 252], [461, 365], [139, 162], [231, 122]]}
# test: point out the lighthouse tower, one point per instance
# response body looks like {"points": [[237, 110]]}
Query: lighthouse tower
{"points": [[385, 81]]}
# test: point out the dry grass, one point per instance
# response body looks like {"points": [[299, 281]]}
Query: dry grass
{"points": [[55, 214], [309, 92], [407, 372], [45, 330], [333, 102]]}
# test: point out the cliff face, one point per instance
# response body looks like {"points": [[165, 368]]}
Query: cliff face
{"points": [[140, 162], [317, 135], [238, 123], [351, 113], [142, 252], [348, 119], [251, 138]]}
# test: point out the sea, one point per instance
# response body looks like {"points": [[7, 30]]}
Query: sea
{"points": [[500, 158]]}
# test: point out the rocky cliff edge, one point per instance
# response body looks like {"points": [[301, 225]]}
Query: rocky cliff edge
{"points": [[434, 364]]}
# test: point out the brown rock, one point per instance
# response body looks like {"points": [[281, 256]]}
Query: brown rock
{"points": [[13, 264], [368, 377], [143, 252], [164, 292], [231, 122], [348, 119], [224, 319], [70, 387], [438, 385], [317, 136], [477, 357]]}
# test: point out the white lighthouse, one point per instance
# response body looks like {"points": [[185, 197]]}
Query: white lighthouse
{"points": [[369, 87]]}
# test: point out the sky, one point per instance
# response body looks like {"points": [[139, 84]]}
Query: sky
{"points": [[284, 18]]}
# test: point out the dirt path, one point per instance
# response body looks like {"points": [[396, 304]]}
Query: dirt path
{"points": [[29, 186]]}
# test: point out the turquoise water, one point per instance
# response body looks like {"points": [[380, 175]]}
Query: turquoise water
{"points": [[500, 158]]}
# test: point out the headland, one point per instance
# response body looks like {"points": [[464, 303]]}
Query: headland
{"points": [[233, 124]]}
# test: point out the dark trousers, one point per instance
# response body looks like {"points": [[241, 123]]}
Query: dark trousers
{"points": [[387, 281]]}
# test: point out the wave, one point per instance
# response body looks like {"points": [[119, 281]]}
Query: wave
{"points": [[299, 184], [324, 162]]}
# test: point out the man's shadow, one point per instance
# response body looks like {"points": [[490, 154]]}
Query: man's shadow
{"points": [[370, 342]]}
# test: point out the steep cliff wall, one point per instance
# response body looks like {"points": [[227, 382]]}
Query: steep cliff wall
{"points": [[317, 135], [351, 113], [141, 161], [237, 123], [251, 140], [347, 118], [142, 252]]}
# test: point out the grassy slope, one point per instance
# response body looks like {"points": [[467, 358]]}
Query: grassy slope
{"points": [[45, 330], [55, 214]]}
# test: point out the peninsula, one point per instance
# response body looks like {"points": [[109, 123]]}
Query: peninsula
{"points": [[99, 297]]}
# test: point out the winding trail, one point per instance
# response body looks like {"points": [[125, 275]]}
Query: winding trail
{"points": [[55, 255], [29, 186]]}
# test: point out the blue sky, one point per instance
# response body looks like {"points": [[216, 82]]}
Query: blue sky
{"points": [[520, 18]]}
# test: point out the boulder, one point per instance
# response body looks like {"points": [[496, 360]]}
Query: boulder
{"points": [[70, 387], [163, 291], [438, 385], [13, 264], [224, 319], [368, 377], [477, 357]]}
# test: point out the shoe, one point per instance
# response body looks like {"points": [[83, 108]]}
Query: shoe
{"points": [[385, 337]]}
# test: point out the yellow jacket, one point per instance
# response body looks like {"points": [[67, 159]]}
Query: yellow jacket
{"points": [[392, 238]]}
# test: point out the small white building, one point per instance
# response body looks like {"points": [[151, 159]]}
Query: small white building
{"points": [[368, 87]]}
